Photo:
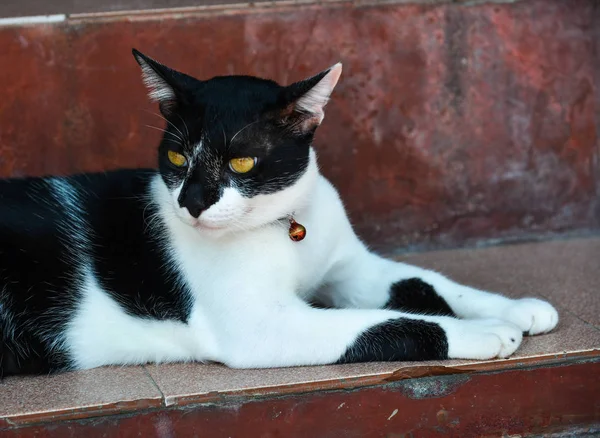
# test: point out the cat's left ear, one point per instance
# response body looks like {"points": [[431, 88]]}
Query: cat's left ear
{"points": [[308, 98], [166, 86]]}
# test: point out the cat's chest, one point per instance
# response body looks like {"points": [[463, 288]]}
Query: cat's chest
{"points": [[266, 259]]}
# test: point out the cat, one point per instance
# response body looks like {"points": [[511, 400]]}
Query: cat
{"points": [[194, 261]]}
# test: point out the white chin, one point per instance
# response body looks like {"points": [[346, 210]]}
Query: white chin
{"points": [[210, 227]]}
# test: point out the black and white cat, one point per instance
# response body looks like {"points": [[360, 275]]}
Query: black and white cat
{"points": [[193, 262]]}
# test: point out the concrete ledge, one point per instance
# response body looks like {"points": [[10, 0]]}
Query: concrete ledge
{"points": [[28, 8]]}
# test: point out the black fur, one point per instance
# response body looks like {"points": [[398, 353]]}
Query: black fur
{"points": [[231, 117], [129, 250], [34, 275], [42, 260], [399, 340], [414, 295], [26, 355]]}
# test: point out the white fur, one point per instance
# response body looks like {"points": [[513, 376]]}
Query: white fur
{"points": [[234, 212], [249, 283], [158, 89], [74, 227], [317, 97]]}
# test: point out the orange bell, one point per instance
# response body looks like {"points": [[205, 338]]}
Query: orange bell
{"points": [[297, 231]]}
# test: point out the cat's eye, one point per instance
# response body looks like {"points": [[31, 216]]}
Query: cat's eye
{"points": [[242, 165], [176, 159]]}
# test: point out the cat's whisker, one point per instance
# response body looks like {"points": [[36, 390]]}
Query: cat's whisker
{"points": [[187, 131], [224, 135], [166, 120], [150, 220], [237, 133], [166, 132]]}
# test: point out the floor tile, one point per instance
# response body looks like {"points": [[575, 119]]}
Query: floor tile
{"points": [[189, 383], [76, 394], [566, 272]]}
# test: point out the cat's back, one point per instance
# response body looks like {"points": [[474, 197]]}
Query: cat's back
{"points": [[47, 231], [53, 192], [44, 209], [49, 227]]}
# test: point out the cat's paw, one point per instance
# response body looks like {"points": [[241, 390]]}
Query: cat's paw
{"points": [[531, 315], [482, 339]]}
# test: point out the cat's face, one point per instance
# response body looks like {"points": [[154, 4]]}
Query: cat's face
{"points": [[236, 151]]}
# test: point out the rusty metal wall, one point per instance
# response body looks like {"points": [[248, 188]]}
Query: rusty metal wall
{"points": [[452, 124]]}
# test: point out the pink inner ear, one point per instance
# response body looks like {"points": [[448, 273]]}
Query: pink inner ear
{"points": [[316, 98]]}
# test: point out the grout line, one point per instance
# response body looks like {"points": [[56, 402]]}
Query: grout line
{"points": [[583, 320], [162, 394], [33, 19], [564, 308]]}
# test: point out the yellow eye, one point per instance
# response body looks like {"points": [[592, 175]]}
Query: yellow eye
{"points": [[176, 159], [242, 165]]}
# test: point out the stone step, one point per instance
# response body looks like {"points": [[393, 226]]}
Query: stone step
{"points": [[550, 384]]}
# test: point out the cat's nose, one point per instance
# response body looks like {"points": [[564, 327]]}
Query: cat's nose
{"points": [[195, 209], [193, 198]]}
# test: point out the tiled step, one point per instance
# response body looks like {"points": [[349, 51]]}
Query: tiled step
{"points": [[550, 384]]}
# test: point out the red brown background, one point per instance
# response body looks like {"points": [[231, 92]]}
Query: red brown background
{"points": [[452, 124]]}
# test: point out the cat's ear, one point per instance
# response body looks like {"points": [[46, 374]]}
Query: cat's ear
{"points": [[165, 85], [309, 97]]}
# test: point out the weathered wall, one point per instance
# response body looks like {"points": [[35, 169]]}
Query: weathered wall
{"points": [[451, 123]]}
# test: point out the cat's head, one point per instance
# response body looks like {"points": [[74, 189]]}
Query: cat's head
{"points": [[236, 151]]}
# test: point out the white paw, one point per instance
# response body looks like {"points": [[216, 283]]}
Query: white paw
{"points": [[533, 316], [481, 338]]}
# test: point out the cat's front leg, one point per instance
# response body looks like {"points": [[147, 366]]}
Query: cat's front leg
{"points": [[532, 315], [367, 280], [292, 334]]}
